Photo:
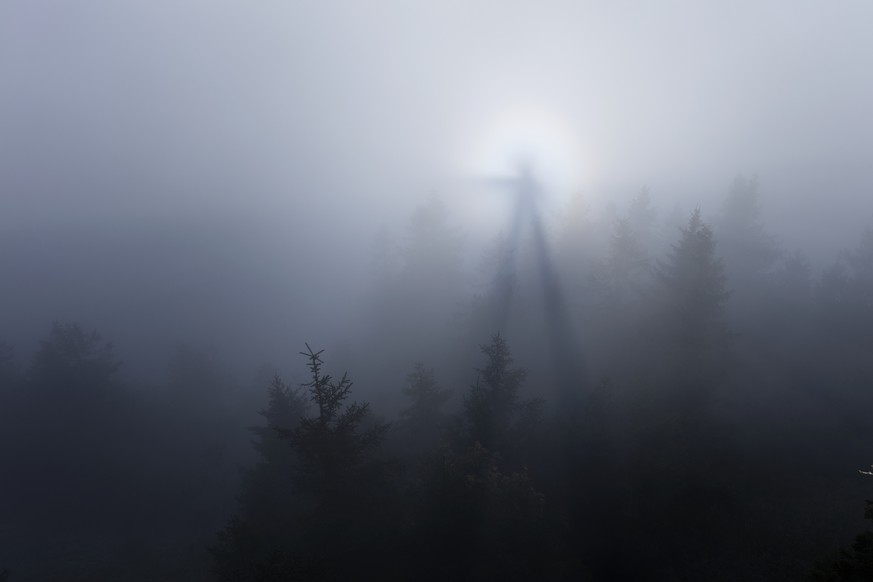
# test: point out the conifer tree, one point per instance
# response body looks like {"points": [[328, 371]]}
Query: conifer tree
{"points": [[266, 488], [852, 564], [476, 501], [285, 408], [74, 363], [423, 419], [621, 274], [844, 294], [494, 414], [331, 495], [693, 298], [331, 446]]}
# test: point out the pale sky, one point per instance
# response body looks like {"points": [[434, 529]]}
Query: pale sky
{"points": [[312, 123]]}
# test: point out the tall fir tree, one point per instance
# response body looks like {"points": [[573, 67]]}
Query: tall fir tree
{"points": [[620, 277], [333, 444], [266, 498], [423, 421], [337, 494], [693, 291], [494, 413], [844, 294]]}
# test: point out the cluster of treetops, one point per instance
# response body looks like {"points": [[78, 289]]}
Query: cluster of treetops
{"points": [[722, 444]]}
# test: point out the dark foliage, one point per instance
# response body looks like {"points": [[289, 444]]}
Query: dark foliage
{"points": [[494, 414], [718, 445], [423, 422], [692, 298], [854, 564], [326, 488]]}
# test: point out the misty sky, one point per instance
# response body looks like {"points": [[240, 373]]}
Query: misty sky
{"points": [[312, 123]]}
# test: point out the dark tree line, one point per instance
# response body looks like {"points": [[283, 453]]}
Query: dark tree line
{"points": [[455, 495], [716, 435], [104, 480]]}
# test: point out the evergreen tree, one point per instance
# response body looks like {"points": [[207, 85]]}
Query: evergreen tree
{"points": [[74, 363], [266, 500], [423, 420], [621, 275], [678, 445], [354, 504], [258, 543], [693, 298], [492, 307], [494, 415], [83, 434], [331, 446], [673, 221], [476, 521], [475, 502], [338, 495], [285, 408], [844, 333], [845, 291], [853, 564]]}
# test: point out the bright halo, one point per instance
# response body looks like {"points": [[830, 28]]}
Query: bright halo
{"points": [[534, 137]]}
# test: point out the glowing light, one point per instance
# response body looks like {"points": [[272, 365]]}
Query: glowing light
{"points": [[514, 136], [535, 137]]}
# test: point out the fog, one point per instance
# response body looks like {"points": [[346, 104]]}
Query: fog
{"points": [[211, 185], [289, 121]]}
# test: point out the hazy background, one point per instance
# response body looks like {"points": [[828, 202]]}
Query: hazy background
{"points": [[209, 184], [247, 153]]}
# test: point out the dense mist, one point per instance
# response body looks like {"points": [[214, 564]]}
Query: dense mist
{"points": [[435, 291]]}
